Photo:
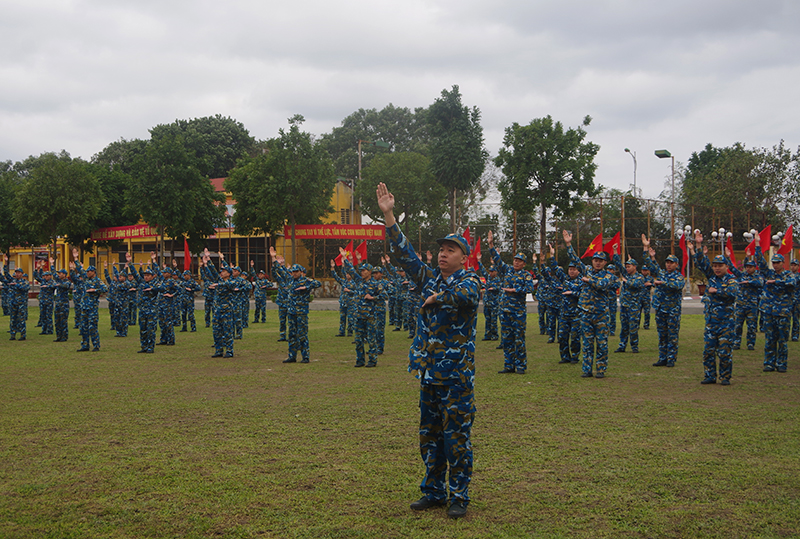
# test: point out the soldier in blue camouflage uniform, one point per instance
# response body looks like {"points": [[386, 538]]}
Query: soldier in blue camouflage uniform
{"points": [[301, 289], [240, 297], [612, 303], [224, 305], [147, 292], [4, 290], [401, 285], [516, 285], [443, 356], [776, 309], [718, 307], [551, 297], [18, 288], [118, 294], [368, 293], [93, 288], [260, 287], [283, 279], [594, 304], [167, 292], [630, 303], [794, 266], [77, 291], [188, 286], [47, 288], [647, 291], [569, 287], [61, 305], [208, 298], [541, 307], [491, 301], [380, 307], [133, 295], [667, 302], [751, 283], [345, 298]]}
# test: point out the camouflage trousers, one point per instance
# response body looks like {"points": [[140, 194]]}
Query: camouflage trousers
{"points": [[78, 314], [392, 303], [552, 321], [46, 317], [282, 313], [445, 422], [209, 310], [166, 321], [541, 308], [749, 314], [594, 336], [490, 312], [776, 337], [223, 330], [513, 325], [132, 308], [612, 316], [298, 335], [119, 318], [796, 321], [62, 321], [342, 317], [569, 337], [89, 319], [380, 329], [366, 332], [645, 307], [261, 310], [17, 323], [668, 323], [187, 314], [718, 338], [147, 330], [629, 326]]}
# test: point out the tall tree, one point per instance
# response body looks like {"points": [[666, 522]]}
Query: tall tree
{"points": [[292, 181], [546, 167], [170, 192], [57, 196], [10, 233], [458, 157]]}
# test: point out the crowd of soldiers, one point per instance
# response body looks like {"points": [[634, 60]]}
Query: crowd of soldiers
{"points": [[577, 304]]}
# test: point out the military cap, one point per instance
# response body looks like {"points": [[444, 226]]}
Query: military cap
{"points": [[377, 269], [298, 267], [750, 262], [167, 270], [91, 268], [492, 268], [572, 264], [521, 256], [226, 269], [672, 258], [631, 262], [186, 272], [601, 255], [777, 258], [364, 266], [237, 268], [18, 270], [795, 262], [62, 270], [261, 271], [46, 273], [148, 271], [719, 259], [458, 239]]}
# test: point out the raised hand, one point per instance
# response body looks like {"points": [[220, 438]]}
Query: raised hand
{"points": [[490, 239], [567, 235], [333, 264], [645, 243], [385, 198]]}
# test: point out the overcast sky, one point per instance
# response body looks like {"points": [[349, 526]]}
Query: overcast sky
{"points": [[77, 75]]}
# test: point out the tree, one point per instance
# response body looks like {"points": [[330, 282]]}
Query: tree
{"points": [[57, 196], [458, 157], [408, 173], [546, 167], [170, 192], [293, 180], [10, 233]]}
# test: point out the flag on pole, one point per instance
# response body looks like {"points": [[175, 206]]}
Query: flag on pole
{"points": [[348, 251], [595, 247], [187, 256], [475, 257], [765, 237], [609, 247], [362, 251], [685, 258], [786, 243]]}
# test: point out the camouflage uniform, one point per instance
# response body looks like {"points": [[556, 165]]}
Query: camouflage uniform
{"points": [[117, 298], [513, 312], [552, 301], [594, 306], [188, 286], [208, 299], [133, 296], [718, 308], [366, 313], [612, 307], [569, 321], [750, 287], [795, 302], [147, 292], [776, 309], [77, 296], [166, 305], [47, 288], [647, 290], [260, 287], [380, 309], [224, 307], [630, 305], [345, 303], [18, 288], [491, 302], [93, 288], [61, 305], [297, 312], [541, 307], [4, 291], [443, 356], [282, 298], [401, 285], [667, 304]]}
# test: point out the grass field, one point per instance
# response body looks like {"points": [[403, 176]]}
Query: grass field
{"points": [[177, 444]]}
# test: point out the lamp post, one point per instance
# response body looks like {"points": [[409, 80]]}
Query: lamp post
{"points": [[377, 143], [663, 154], [633, 154]]}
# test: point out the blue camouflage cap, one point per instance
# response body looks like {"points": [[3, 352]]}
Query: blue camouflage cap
{"points": [[492, 268], [167, 270], [719, 259], [148, 271], [237, 268], [778, 258], [749, 262], [91, 268], [261, 271], [631, 262], [62, 270], [795, 262], [187, 272], [521, 256], [46, 273], [298, 267], [18, 270], [672, 258], [601, 255], [572, 264], [377, 269], [458, 239], [364, 266]]}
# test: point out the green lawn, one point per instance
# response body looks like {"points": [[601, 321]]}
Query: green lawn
{"points": [[177, 444]]}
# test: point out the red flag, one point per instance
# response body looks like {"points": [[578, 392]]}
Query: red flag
{"points": [[347, 252], [685, 259], [765, 239], [786, 243], [362, 251], [609, 247], [467, 236], [595, 247], [729, 245], [475, 257], [187, 256]]}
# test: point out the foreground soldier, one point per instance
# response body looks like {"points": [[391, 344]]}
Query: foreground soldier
{"points": [[667, 301], [630, 303], [93, 288], [776, 309], [147, 290], [569, 286], [443, 355], [61, 305], [750, 285]]}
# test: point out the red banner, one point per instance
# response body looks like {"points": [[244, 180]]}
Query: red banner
{"points": [[123, 232], [336, 232]]}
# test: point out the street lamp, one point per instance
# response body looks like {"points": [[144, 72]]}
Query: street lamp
{"points": [[633, 154], [377, 143], [663, 154]]}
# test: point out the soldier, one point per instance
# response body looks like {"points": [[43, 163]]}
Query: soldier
{"points": [[283, 279], [443, 356], [569, 286], [208, 293], [4, 290], [133, 295], [776, 309], [594, 305], [188, 286], [630, 303], [61, 305], [517, 284], [77, 291], [46, 292], [167, 291], [147, 292], [224, 305], [345, 300], [667, 303], [368, 292], [93, 288], [300, 289], [647, 291], [750, 286], [401, 285], [260, 287], [491, 301], [18, 288], [718, 308], [612, 302], [551, 298], [541, 307], [794, 266], [380, 307], [118, 298]]}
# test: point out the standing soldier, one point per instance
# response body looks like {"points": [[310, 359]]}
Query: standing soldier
{"points": [[4, 290], [776, 309], [77, 291], [794, 266], [47, 288], [630, 302], [300, 290], [491, 301], [61, 305], [345, 300], [167, 290], [368, 292], [380, 307], [750, 286], [551, 297], [260, 287], [119, 288], [133, 295], [18, 288], [517, 283], [612, 302], [401, 284], [282, 278], [594, 304], [667, 303], [93, 288], [569, 286], [647, 290], [188, 286], [147, 292], [224, 305], [718, 308]]}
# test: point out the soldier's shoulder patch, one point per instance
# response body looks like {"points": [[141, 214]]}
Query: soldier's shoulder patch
{"points": [[528, 278]]}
